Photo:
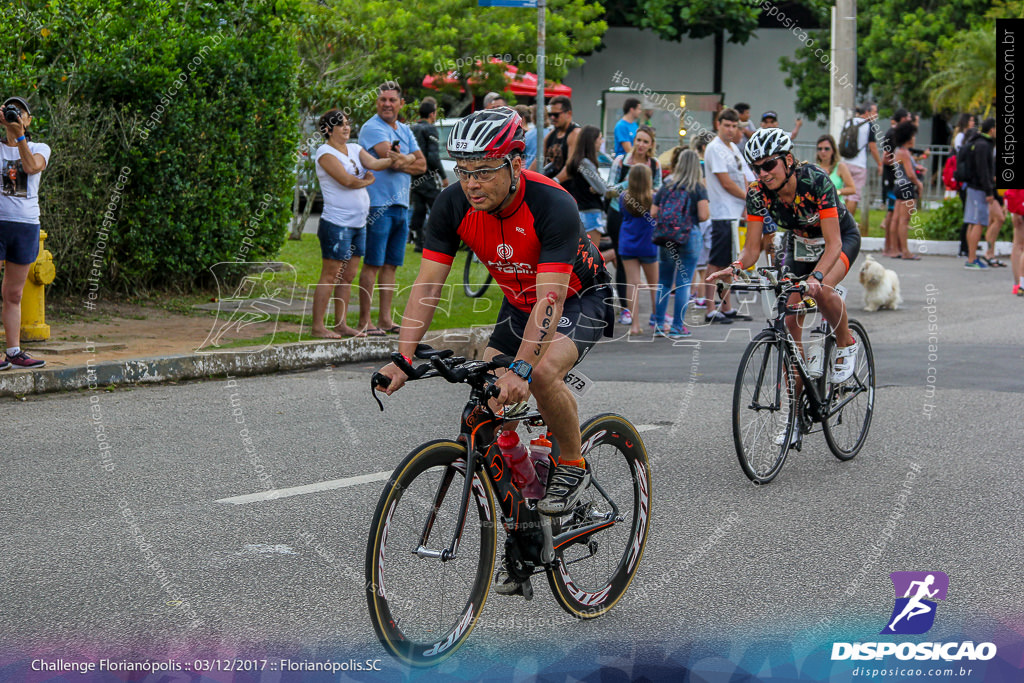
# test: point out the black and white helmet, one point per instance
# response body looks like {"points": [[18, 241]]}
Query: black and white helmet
{"points": [[487, 134], [767, 142]]}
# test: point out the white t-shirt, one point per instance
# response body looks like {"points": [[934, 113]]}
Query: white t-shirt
{"points": [[722, 158], [19, 197], [957, 141], [342, 205], [864, 135]]}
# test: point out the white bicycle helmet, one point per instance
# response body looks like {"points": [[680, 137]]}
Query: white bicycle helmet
{"points": [[767, 142], [487, 134]]}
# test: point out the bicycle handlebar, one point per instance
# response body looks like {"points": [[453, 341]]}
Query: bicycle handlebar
{"points": [[443, 363]]}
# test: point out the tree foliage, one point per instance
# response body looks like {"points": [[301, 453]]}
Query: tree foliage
{"points": [[899, 44], [190, 104]]}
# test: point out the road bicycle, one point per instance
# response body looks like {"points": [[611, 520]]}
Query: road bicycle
{"points": [[430, 558], [766, 420], [475, 276]]}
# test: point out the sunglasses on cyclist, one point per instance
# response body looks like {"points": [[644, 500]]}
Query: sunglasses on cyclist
{"points": [[482, 175], [767, 165]]}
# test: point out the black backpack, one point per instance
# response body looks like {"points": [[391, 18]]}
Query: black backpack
{"points": [[848, 147], [964, 172]]}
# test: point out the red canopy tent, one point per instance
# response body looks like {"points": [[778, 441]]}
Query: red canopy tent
{"points": [[520, 84]]}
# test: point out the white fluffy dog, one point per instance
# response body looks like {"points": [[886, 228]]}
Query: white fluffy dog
{"points": [[881, 286]]}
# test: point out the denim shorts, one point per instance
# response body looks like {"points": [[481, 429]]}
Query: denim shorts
{"points": [[387, 231], [338, 243], [594, 219], [19, 242]]}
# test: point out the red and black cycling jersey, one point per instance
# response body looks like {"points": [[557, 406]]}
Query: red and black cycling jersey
{"points": [[538, 232]]}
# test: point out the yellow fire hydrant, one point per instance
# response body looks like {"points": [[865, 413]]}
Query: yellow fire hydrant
{"points": [[33, 300]]}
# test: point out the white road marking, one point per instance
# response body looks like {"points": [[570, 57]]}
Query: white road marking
{"points": [[274, 494]]}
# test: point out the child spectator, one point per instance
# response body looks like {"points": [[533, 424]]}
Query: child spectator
{"points": [[636, 246]]}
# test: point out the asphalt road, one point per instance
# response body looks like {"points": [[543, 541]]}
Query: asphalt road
{"points": [[131, 551]]}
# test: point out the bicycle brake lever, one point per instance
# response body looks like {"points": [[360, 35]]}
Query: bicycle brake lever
{"points": [[406, 367], [378, 380]]}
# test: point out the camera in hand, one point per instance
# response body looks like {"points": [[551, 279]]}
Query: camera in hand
{"points": [[12, 114]]}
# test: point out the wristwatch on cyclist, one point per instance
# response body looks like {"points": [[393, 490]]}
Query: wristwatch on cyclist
{"points": [[522, 368], [818, 274]]}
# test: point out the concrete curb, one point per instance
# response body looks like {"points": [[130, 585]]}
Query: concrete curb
{"points": [[934, 247], [283, 357]]}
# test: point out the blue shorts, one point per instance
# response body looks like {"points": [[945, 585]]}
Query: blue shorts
{"points": [[594, 219], [19, 242], [387, 231], [338, 243], [642, 259], [976, 207]]}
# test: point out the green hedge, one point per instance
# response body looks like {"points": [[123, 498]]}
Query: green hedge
{"points": [[193, 104], [944, 223]]}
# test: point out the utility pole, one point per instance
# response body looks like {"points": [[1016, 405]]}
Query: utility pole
{"points": [[541, 115], [843, 79]]}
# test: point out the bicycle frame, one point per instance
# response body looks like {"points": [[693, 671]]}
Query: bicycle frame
{"points": [[820, 402], [520, 519]]}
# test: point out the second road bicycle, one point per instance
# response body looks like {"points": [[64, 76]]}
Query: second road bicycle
{"points": [[768, 417]]}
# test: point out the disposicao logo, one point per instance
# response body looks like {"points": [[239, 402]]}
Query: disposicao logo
{"points": [[916, 593], [913, 614]]}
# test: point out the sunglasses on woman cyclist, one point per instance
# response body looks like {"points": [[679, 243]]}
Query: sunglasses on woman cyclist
{"points": [[767, 165], [482, 175]]}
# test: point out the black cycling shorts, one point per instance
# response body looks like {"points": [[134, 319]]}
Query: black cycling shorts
{"points": [[585, 318], [850, 234]]}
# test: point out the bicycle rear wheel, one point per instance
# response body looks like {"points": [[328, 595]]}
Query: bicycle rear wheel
{"points": [[763, 409], [423, 608], [592, 570], [852, 403], [475, 276]]}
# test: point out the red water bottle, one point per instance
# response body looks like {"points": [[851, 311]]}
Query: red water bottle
{"points": [[523, 473], [540, 454]]}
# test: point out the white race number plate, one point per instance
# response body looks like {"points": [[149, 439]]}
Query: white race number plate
{"points": [[578, 383]]}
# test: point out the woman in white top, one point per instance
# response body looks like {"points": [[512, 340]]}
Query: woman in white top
{"points": [[341, 168], [22, 162]]}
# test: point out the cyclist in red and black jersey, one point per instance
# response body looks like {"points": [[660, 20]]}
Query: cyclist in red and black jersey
{"points": [[822, 241], [526, 229]]}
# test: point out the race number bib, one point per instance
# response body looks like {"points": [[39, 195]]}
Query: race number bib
{"points": [[808, 249]]}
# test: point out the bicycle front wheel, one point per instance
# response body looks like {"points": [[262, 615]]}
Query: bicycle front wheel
{"points": [[475, 276], [763, 409], [852, 403], [422, 606], [603, 537]]}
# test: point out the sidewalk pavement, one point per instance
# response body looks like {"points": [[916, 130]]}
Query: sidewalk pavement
{"points": [[116, 355]]}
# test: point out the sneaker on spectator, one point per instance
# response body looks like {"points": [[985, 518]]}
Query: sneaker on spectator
{"points": [[625, 318], [23, 360], [4, 364], [1017, 290], [679, 334], [976, 264]]}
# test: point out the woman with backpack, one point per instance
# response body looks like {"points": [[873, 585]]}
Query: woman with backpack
{"points": [[679, 208], [636, 239]]}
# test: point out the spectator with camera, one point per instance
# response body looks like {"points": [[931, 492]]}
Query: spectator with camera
{"points": [[23, 162]]}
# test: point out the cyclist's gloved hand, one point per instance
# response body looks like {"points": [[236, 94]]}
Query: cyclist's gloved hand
{"points": [[396, 376]]}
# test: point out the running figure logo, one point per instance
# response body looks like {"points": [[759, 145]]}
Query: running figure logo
{"points": [[914, 612]]}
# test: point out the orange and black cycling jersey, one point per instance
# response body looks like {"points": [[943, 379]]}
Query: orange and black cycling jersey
{"points": [[539, 232], [816, 198]]}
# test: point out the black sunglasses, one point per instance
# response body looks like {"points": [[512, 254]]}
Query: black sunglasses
{"points": [[766, 166], [555, 114]]}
